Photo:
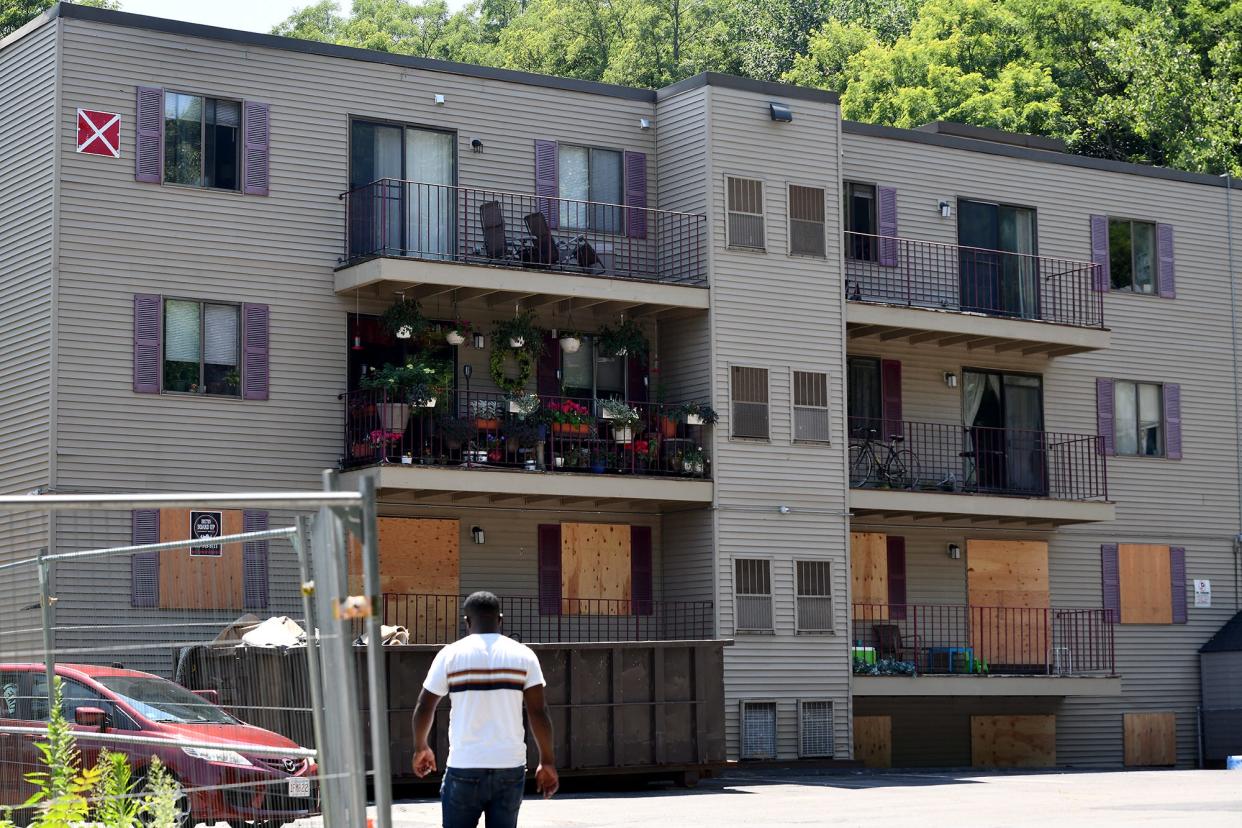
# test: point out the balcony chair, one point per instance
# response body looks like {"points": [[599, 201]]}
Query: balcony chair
{"points": [[544, 251], [496, 244], [890, 643]]}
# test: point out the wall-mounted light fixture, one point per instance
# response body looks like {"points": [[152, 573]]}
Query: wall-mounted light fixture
{"points": [[784, 510], [476, 534], [476, 145], [780, 112], [954, 551], [946, 209], [644, 123], [479, 341], [950, 379], [439, 99]]}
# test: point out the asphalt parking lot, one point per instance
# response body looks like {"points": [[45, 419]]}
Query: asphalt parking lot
{"points": [[926, 799]]}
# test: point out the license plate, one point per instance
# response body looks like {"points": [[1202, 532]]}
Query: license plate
{"points": [[300, 788]]}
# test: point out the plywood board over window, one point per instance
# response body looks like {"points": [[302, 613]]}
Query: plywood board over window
{"points": [[1007, 589], [1150, 739], [187, 581], [1013, 741], [420, 575], [873, 741], [595, 563], [869, 574], [1145, 573]]}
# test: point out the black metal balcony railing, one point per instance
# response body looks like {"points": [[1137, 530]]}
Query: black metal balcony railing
{"points": [[555, 434], [896, 271], [956, 458], [439, 222], [986, 640], [437, 619]]}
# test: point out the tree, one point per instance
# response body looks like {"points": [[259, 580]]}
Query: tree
{"points": [[17, 13]]}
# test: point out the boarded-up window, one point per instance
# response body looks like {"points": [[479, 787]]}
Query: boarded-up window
{"points": [[814, 596], [748, 391], [596, 569], [208, 576], [745, 213], [753, 593], [1150, 739], [810, 407], [806, 221], [1145, 573]]}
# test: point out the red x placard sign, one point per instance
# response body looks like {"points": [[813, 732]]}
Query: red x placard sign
{"points": [[99, 133]]}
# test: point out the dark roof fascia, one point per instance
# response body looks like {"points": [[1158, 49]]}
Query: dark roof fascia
{"points": [[1030, 154], [311, 47], [775, 90], [1228, 638], [1000, 136]]}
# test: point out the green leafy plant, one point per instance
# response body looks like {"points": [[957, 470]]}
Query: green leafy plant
{"points": [[884, 667], [118, 804], [524, 405], [701, 410], [525, 360], [627, 339], [520, 328], [402, 315], [417, 381], [621, 414], [61, 788], [161, 804]]}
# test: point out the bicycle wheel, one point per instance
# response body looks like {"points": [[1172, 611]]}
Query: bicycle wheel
{"points": [[902, 470], [862, 466]]}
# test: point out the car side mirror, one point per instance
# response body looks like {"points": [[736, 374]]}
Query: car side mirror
{"points": [[91, 717], [208, 695]]}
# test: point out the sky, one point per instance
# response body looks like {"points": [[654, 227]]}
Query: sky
{"points": [[250, 15]]}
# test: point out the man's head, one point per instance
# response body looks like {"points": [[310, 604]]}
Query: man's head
{"points": [[482, 611]]}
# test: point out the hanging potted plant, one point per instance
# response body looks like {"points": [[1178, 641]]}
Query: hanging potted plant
{"points": [[571, 341], [695, 413], [623, 417], [404, 319], [627, 339], [520, 332], [457, 332]]}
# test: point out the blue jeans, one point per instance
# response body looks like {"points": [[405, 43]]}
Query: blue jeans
{"points": [[468, 793]]}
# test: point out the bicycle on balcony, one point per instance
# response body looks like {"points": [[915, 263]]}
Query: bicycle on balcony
{"points": [[874, 462]]}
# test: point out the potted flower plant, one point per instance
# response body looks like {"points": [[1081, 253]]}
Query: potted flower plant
{"points": [[457, 332], [404, 319], [523, 404], [486, 414], [568, 417], [418, 382], [627, 339], [693, 461], [571, 341], [696, 413], [623, 417], [519, 333]]}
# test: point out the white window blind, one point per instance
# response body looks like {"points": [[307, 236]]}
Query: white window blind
{"points": [[806, 221], [814, 585], [182, 332], [810, 406], [745, 213], [220, 323]]}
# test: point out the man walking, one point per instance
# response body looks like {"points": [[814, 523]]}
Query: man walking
{"points": [[489, 676]]}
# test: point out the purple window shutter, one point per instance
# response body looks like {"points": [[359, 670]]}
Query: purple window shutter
{"points": [[1099, 252], [896, 578], [1172, 421], [1164, 255], [1104, 418], [886, 221], [1110, 583], [549, 569], [1177, 581], [636, 194], [254, 352], [254, 561], [149, 141], [148, 342], [144, 567], [548, 369], [546, 180], [255, 155], [642, 588], [890, 397]]}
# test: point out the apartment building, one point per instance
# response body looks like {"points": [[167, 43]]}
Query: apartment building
{"points": [[975, 395]]}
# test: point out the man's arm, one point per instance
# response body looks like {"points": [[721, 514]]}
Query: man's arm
{"points": [[546, 780], [424, 715]]}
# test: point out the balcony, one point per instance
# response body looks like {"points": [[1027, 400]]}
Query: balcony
{"points": [[921, 650], [947, 294], [429, 239], [945, 472], [560, 450], [436, 619]]}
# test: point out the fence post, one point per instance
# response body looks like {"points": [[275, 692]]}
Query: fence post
{"points": [[45, 611], [376, 684], [301, 544]]}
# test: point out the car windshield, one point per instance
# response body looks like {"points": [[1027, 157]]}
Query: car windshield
{"points": [[163, 701]]}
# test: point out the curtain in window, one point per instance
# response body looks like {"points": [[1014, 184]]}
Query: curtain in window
{"points": [[1149, 418], [574, 185], [606, 189], [429, 162], [181, 331], [1125, 418], [1144, 257], [221, 336]]}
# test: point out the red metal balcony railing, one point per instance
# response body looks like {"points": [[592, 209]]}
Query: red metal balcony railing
{"points": [[439, 222], [971, 459], [437, 619], [895, 271], [986, 640], [554, 434]]}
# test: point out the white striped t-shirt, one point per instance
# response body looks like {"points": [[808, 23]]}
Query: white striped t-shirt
{"points": [[485, 676]]}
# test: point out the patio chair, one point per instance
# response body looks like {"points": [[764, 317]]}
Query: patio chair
{"points": [[543, 252], [496, 244], [890, 643]]}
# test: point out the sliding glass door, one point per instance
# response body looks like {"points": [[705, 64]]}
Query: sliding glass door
{"points": [[1004, 419], [998, 270]]}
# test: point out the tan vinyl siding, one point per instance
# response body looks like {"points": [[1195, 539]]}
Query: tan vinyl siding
{"points": [[1192, 502]]}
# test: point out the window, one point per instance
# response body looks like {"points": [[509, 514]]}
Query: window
{"points": [[758, 730], [810, 407], [202, 141], [745, 213], [753, 590], [1144, 583], [814, 729], [749, 390], [1132, 255], [75, 695], [202, 343], [860, 221], [866, 402], [806, 221], [10, 694], [592, 180], [1138, 418], [589, 374], [814, 584]]}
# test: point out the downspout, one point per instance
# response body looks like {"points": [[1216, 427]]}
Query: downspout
{"points": [[1237, 413]]}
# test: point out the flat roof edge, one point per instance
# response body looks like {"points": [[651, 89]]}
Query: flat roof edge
{"points": [[776, 90], [1031, 154], [34, 24], [314, 47]]}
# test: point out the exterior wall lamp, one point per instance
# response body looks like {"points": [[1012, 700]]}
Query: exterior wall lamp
{"points": [[950, 379], [476, 535], [954, 551]]}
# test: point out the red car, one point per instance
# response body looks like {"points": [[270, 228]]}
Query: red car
{"points": [[230, 782]]}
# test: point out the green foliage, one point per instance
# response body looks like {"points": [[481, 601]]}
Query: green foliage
{"points": [[118, 804], [884, 667], [163, 795], [417, 380], [17, 13], [62, 788], [626, 339]]}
